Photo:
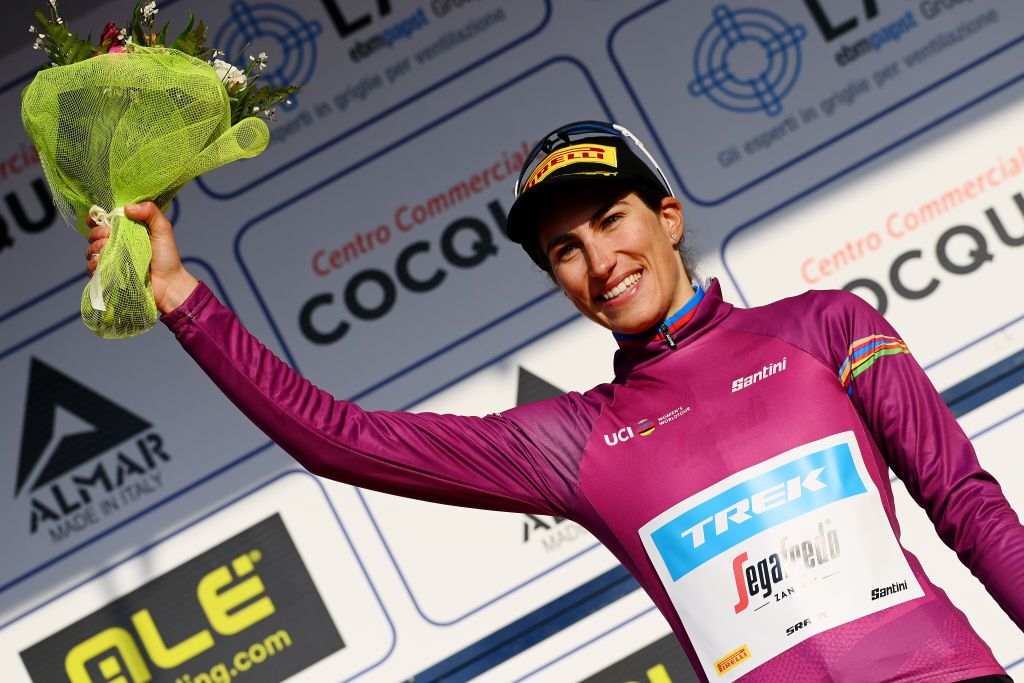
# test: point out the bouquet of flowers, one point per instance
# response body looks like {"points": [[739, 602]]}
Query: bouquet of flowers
{"points": [[131, 118]]}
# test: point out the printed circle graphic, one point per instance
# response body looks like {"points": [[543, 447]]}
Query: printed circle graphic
{"points": [[287, 37], [747, 60]]}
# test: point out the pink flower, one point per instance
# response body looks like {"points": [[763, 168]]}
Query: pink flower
{"points": [[115, 49], [110, 33]]}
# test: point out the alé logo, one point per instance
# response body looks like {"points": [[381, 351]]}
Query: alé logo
{"points": [[698, 534], [83, 457], [644, 427]]}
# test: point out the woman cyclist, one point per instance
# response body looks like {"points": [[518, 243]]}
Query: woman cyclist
{"points": [[737, 463]]}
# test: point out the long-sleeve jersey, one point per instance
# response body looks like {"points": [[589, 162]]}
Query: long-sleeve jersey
{"points": [[737, 465]]}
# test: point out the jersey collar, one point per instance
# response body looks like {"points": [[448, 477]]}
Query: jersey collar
{"points": [[702, 313], [668, 330]]}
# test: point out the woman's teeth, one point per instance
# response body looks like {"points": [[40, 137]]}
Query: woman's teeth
{"points": [[621, 288]]}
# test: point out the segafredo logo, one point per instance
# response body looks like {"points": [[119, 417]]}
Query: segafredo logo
{"points": [[644, 427], [762, 502]]}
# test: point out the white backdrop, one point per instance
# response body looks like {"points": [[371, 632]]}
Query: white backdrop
{"points": [[879, 153]]}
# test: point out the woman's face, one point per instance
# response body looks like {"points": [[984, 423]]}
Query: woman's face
{"points": [[615, 258]]}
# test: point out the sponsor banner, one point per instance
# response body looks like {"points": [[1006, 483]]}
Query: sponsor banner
{"points": [[803, 86], [88, 438], [777, 553], [921, 239], [422, 231], [265, 589], [358, 61], [437, 549]]}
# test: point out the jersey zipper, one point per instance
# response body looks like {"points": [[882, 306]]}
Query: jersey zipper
{"points": [[668, 336]]}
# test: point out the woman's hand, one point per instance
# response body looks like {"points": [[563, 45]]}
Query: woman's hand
{"points": [[171, 283]]}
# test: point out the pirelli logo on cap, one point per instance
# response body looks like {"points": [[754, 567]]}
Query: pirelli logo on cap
{"points": [[729, 661], [573, 154]]}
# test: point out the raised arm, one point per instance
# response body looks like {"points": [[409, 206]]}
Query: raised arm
{"points": [[523, 460], [928, 450]]}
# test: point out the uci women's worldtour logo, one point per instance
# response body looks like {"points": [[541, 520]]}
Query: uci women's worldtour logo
{"points": [[644, 427], [83, 457], [708, 529], [245, 609]]}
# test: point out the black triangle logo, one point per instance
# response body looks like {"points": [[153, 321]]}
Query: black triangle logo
{"points": [[49, 389], [533, 388]]}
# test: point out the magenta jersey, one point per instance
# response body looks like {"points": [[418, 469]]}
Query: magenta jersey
{"points": [[737, 465]]}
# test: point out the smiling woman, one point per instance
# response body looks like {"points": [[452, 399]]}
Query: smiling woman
{"points": [[759, 521]]}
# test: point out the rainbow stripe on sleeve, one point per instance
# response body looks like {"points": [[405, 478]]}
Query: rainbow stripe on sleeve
{"points": [[863, 353]]}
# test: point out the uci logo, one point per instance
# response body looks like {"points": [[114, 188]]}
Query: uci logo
{"points": [[644, 427], [222, 604]]}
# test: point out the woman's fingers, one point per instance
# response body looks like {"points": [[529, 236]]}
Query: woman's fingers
{"points": [[99, 232], [150, 214], [92, 252]]}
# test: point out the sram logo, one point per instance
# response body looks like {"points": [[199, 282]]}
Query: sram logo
{"points": [[748, 503]]}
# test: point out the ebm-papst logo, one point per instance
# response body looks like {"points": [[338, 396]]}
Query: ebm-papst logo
{"points": [[761, 502], [777, 576], [246, 608], [644, 427], [83, 457]]}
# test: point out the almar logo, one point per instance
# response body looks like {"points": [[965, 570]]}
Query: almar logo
{"points": [[644, 427], [83, 457]]}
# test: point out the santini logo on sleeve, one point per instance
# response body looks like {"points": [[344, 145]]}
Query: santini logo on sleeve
{"points": [[712, 527]]}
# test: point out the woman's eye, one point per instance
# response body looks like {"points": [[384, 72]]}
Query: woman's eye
{"points": [[566, 251], [611, 220]]}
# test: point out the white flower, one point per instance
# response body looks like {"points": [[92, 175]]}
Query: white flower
{"points": [[260, 61], [231, 76], [31, 29], [288, 102], [255, 108], [148, 12], [53, 4]]}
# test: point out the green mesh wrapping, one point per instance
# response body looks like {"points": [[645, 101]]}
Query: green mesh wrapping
{"points": [[119, 129]]}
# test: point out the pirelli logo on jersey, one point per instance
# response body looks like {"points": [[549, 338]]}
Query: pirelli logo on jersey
{"points": [[735, 657], [762, 502]]}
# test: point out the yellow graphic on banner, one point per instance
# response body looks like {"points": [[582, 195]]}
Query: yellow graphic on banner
{"points": [[573, 154], [732, 659], [222, 603]]}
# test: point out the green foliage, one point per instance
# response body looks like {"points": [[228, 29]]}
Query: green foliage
{"points": [[65, 48]]}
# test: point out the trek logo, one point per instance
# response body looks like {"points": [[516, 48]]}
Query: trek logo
{"points": [[766, 371], [66, 426], [701, 532], [762, 580], [644, 427], [258, 612]]}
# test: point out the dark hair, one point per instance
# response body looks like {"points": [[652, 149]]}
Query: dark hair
{"points": [[651, 195]]}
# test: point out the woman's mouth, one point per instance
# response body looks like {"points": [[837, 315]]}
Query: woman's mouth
{"points": [[618, 290]]}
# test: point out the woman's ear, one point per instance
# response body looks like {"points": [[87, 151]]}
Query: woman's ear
{"points": [[672, 218]]}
